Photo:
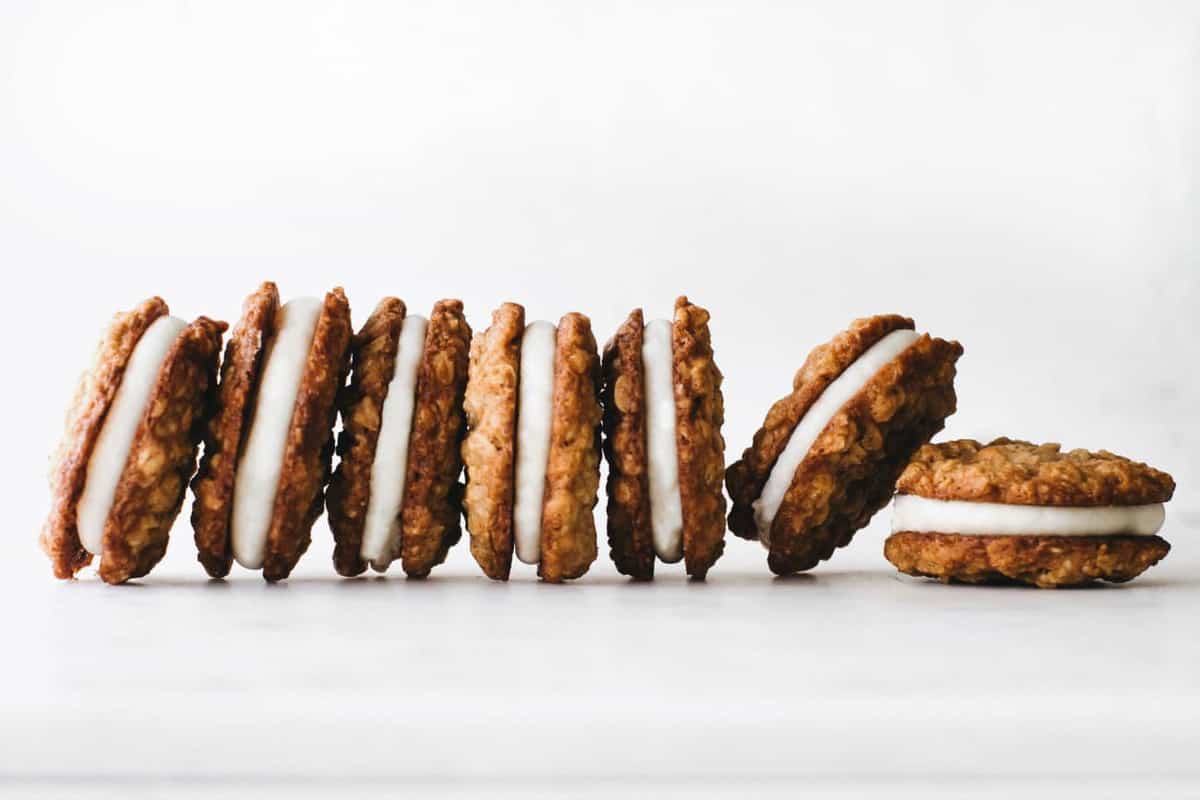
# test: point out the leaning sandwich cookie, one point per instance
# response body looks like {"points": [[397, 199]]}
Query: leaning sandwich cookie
{"points": [[260, 486], [663, 412], [120, 473], [1012, 511], [828, 455], [395, 493], [532, 450]]}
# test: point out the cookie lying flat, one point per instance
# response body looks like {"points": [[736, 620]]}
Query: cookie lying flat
{"points": [[532, 451], [267, 451], [663, 412], [828, 455], [1012, 511], [129, 448], [395, 493]]}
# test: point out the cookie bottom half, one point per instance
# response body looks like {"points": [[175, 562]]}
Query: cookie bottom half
{"points": [[1043, 561]]}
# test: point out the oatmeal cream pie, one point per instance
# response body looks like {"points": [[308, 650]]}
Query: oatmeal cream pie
{"points": [[268, 448], [119, 475], [532, 450], [396, 491], [1012, 511], [663, 412], [828, 455]]}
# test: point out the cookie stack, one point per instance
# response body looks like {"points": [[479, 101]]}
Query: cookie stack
{"points": [[506, 428]]}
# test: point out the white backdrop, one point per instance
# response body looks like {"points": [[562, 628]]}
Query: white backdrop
{"points": [[1022, 179]]}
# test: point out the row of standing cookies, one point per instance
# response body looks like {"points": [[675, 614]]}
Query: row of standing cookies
{"points": [[521, 407]]}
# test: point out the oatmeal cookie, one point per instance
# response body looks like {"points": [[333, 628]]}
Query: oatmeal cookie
{"points": [[489, 449], [234, 405], [432, 508], [373, 360], [572, 471], [699, 414], [1042, 561], [162, 453], [1022, 473], [300, 496]]}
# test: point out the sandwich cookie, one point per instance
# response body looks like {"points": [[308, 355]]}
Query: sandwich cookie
{"points": [[267, 451], [118, 478], [1011, 511], [663, 412], [532, 451], [396, 493], [828, 455]]}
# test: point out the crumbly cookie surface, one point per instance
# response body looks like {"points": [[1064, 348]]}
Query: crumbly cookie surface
{"points": [[373, 358], [1043, 561], [699, 414], [1022, 473], [432, 508], [488, 451], [746, 477], [850, 471], [300, 496], [162, 456], [94, 394], [573, 468], [227, 423], [630, 535]]}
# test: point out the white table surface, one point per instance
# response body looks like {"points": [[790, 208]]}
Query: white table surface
{"points": [[850, 678]]}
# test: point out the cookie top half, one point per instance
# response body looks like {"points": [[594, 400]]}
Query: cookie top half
{"points": [[1023, 473]]}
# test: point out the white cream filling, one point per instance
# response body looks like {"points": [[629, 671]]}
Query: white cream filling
{"points": [[836, 395], [111, 450], [262, 458], [923, 515], [381, 527], [535, 404], [662, 454]]}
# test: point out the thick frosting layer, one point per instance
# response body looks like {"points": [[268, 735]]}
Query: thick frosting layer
{"points": [[262, 458], [836, 395], [112, 447], [923, 515], [535, 410], [662, 455], [381, 527]]}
